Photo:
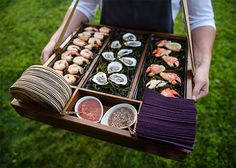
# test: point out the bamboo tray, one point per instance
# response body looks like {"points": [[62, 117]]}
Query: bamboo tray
{"points": [[99, 131]]}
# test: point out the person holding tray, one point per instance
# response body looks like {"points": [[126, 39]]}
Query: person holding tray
{"points": [[151, 15]]}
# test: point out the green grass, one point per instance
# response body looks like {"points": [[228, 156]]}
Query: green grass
{"points": [[25, 28]]}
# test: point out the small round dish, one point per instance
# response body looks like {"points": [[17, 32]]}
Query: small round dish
{"points": [[89, 108], [120, 116]]}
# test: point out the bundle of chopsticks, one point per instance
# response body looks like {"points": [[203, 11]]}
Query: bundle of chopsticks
{"points": [[169, 120]]}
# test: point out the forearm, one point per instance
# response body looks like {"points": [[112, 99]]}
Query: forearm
{"points": [[77, 18], [203, 40]]}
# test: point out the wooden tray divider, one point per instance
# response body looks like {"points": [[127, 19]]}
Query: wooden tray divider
{"points": [[139, 69]]}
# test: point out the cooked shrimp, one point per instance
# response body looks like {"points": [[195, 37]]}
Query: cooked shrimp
{"points": [[88, 33], [68, 55], [73, 48], [95, 41], [79, 42], [83, 36], [60, 65], [89, 46], [80, 60], [86, 53], [98, 35], [75, 69], [71, 79], [105, 30], [90, 28]]}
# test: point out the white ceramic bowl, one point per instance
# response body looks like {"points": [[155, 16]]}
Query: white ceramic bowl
{"points": [[86, 98], [106, 116]]}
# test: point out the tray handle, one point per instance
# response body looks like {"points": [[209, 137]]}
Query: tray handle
{"points": [[57, 48], [189, 37]]}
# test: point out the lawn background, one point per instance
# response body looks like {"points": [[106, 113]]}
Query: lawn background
{"points": [[25, 28]]}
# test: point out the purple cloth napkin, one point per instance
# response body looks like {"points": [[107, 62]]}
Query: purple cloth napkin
{"points": [[169, 120]]}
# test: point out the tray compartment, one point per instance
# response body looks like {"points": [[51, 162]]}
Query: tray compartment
{"points": [[101, 65], [107, 101], [181, 71], [69, 41]]}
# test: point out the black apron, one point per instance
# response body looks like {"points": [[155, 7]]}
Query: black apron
{"points": [[150, 15]]}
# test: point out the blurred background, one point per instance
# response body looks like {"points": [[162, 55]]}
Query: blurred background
{"points": [[25, 28]]}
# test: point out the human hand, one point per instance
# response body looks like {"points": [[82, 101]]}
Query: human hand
{"points": [[47, 51], [201, 82]]}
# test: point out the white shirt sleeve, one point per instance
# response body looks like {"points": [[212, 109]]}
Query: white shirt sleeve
{"points": [[87, 7], [201, 13]]}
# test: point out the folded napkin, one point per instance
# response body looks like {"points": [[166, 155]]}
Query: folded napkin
{"points": [[165, 119]]}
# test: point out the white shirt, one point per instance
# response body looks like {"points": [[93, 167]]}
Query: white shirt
{"points": [[200, 11]]}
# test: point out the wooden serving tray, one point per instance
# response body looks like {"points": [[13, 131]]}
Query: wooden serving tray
{"points": [[99, 131]]}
